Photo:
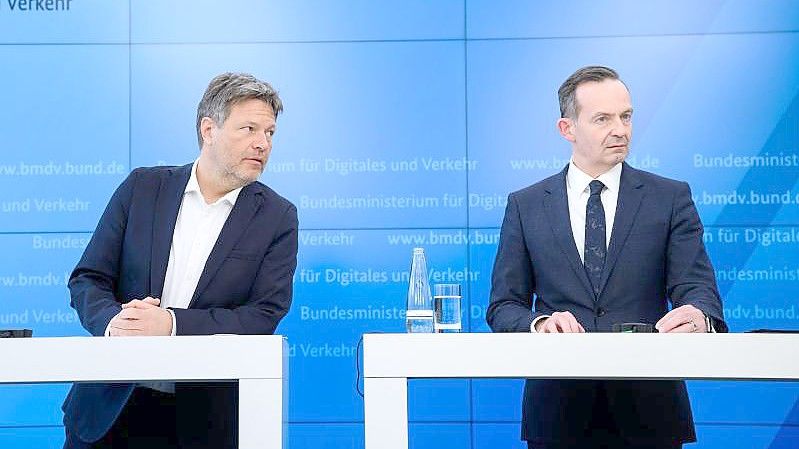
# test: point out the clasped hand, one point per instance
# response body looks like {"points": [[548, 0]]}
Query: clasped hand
{"points": [[141, 317]]}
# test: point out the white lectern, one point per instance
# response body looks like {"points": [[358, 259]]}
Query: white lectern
{"points": [[390, 359], [258, 362]]}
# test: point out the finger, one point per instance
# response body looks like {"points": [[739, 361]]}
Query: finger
{"points": [[557, 326], [126, 333], [121, 323], [141, 304], [574, 326], [685, 328], [560, 323], [694, 314], [152, 301], [567, 322], [673, 326], [564, 324], [126, 325], [550, 326], [676, 319], [130, 314], [116, 332], [670, 321], [688, 312], [130, 304], [688, 308]]}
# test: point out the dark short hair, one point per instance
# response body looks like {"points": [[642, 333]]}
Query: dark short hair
{"points": [[592, 73], [228, 89]]}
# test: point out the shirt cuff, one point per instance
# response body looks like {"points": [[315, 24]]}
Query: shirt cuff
{"points": [[174, 324], [539, 318], [709, 324]]}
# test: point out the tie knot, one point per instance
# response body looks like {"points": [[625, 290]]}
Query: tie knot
{"points": [[596, 187]]}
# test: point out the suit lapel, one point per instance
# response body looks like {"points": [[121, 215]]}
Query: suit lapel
{"points": [[167, 205], [556, 206], [247, 205], [631, 193]]}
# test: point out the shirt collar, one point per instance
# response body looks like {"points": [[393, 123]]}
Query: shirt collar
{"points": [[577, 180], [194, 187]]}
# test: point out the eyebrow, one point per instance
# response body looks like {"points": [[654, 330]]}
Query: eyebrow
{"points": [[256, 124], [626, 111]]}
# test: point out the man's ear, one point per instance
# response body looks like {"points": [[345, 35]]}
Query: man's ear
{"points": [[566, 128], [207, 127]]}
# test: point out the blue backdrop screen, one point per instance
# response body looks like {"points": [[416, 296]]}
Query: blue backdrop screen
{"points": [[407, 123]]}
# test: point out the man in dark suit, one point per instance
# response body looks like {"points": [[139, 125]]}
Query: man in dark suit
{"points": [[194, 250], [596, 244]]}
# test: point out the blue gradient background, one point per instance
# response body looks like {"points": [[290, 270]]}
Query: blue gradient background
{"points": [[114, 85]]}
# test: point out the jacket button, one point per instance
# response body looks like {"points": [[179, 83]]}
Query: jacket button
{"points": [[600, 312]]}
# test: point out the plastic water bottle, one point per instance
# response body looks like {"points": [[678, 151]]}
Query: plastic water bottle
{"points": [[419, 313]]}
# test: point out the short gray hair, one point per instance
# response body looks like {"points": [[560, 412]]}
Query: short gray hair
{"points": [[229, 89], [592, 73]]}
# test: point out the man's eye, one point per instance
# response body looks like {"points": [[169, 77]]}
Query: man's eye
{"points": [[601, 119]]}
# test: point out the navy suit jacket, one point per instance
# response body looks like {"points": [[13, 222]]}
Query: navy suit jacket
{"points": [[245, 288], [656, 255]]}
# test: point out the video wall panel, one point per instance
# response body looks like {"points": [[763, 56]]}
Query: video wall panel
{"points": [[406, 125]]}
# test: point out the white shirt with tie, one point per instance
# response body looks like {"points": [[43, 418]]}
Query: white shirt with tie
{"points": [[577, 193]]}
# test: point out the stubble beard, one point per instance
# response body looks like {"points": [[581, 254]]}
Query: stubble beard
{"points": [[233, 180]]}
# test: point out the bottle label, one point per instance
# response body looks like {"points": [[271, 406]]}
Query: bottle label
{"points": [[419, 314]]}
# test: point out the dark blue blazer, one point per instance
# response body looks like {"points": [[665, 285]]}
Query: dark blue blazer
{"points": [[656, 255], [245, 288]]}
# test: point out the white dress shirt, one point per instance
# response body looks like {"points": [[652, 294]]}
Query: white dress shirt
{"points": [[196, 232], [577, 193]]}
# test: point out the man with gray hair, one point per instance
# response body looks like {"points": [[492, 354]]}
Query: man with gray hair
{"points": [[194, 250], [600, 244]]}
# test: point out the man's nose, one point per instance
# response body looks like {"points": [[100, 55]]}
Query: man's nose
{"points": [[620, 127], [262, 142]]}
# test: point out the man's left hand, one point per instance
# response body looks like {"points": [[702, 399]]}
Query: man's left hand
{"points": [[684, 319], [141, 317]]}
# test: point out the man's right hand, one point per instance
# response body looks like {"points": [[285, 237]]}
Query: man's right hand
{"points": [[118, 325], [559, 323]]}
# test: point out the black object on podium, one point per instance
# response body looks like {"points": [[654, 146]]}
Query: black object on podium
{"points": [[16, 333], [635, 328]]}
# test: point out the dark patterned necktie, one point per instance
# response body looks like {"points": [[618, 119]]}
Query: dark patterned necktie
{"points": [[595, 248]]}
